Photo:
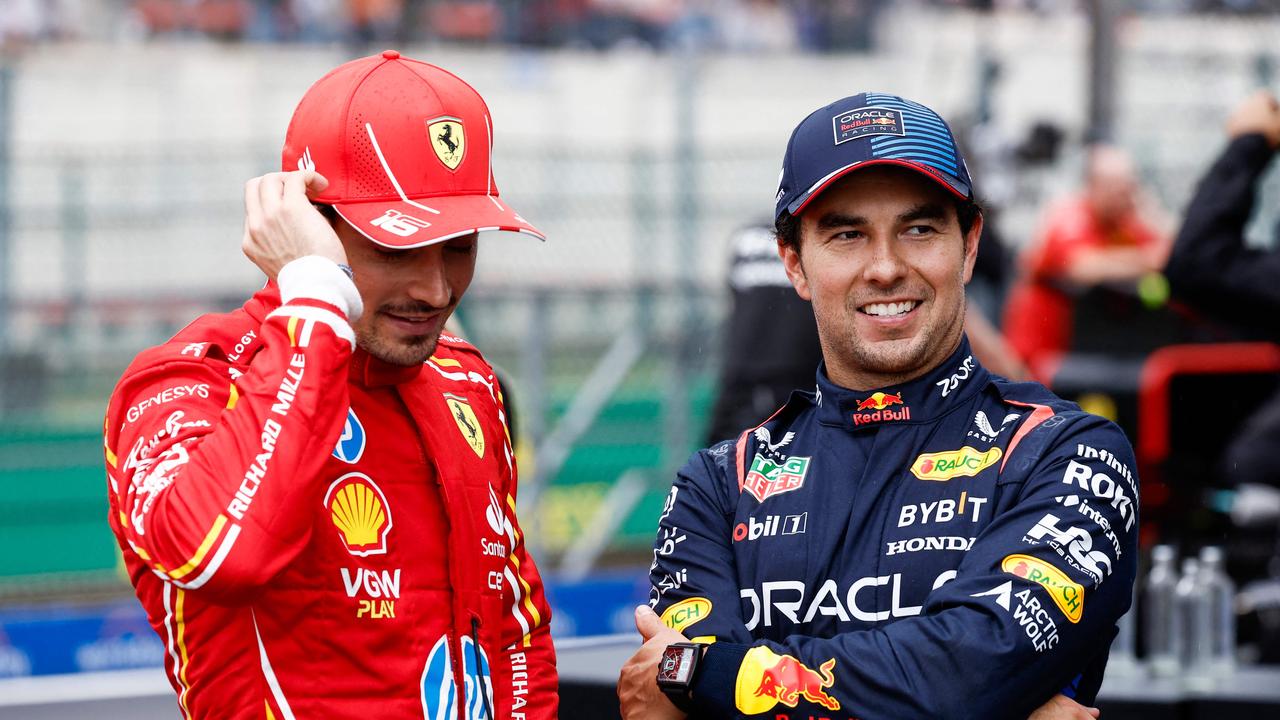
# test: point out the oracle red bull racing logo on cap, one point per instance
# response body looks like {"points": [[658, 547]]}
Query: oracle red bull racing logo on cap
{"points": [[864, 121], [769, 477], [878, 407], [766, 679]]}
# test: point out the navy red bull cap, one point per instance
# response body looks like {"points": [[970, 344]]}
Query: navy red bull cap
{"points": [[864, 130]]}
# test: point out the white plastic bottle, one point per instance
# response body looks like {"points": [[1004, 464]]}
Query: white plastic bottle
{"points": [[1161, 633]]}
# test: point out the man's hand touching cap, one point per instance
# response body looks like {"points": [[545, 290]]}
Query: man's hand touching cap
{"points": [[281, 225]]}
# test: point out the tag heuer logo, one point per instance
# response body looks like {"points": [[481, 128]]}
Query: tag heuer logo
{"points": [[768, 477], [448, 140]]}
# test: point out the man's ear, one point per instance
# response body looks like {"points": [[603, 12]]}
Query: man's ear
{"points": [[971, 247], [790, 255]]}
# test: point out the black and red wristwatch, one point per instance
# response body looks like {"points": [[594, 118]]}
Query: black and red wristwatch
{"points": [[677, 670]]}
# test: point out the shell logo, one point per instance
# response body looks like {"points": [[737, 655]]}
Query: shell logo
{"points": [[360, 512]]}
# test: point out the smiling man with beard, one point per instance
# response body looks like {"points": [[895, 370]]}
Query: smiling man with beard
{"points": [[916, 537], [315, 493]]}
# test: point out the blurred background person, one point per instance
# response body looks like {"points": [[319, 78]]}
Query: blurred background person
{"points": [[770, 344], [1214, 268], [1102, 235]]}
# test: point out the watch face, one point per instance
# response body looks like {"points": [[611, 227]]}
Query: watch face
{"points": [[676, 665]]}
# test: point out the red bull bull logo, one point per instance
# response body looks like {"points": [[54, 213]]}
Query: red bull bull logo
{"points": [[877, 408], [880, 401], [766, 679]]}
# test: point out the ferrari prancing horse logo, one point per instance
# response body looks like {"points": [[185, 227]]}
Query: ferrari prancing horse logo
{"points": [[448, 140], [468, 425]]}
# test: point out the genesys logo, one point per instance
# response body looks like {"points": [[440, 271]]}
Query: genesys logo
{"points": [[1067, 595], [766, 679], [965, 462], [770, 526], [880, 407], [686, 612], [166, 396], [768, 477], [351, 442], [360, 512]]}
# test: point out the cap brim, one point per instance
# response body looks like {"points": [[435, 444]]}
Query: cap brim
{"points": [[407, 224], [954, 186]]}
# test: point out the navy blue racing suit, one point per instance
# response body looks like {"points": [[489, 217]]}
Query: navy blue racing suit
{"points": [[959, 546]]}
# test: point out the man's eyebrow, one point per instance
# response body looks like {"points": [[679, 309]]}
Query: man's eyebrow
{"points": [[927, 211], [838, 219]]}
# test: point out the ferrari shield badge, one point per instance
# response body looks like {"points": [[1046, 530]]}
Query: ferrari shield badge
{"points": [[448, 140], [468, 425]]}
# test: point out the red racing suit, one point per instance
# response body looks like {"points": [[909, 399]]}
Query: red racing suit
{"points": [[317, 534]]}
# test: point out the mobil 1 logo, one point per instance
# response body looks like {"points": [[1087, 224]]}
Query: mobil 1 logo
{"points": [[770, 526]]}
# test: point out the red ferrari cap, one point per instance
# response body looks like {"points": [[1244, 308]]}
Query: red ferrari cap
{"points": [[406, 148]]}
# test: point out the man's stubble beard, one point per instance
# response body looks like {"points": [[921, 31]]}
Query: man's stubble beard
{"points": [[394, 353], [903, 359]]}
